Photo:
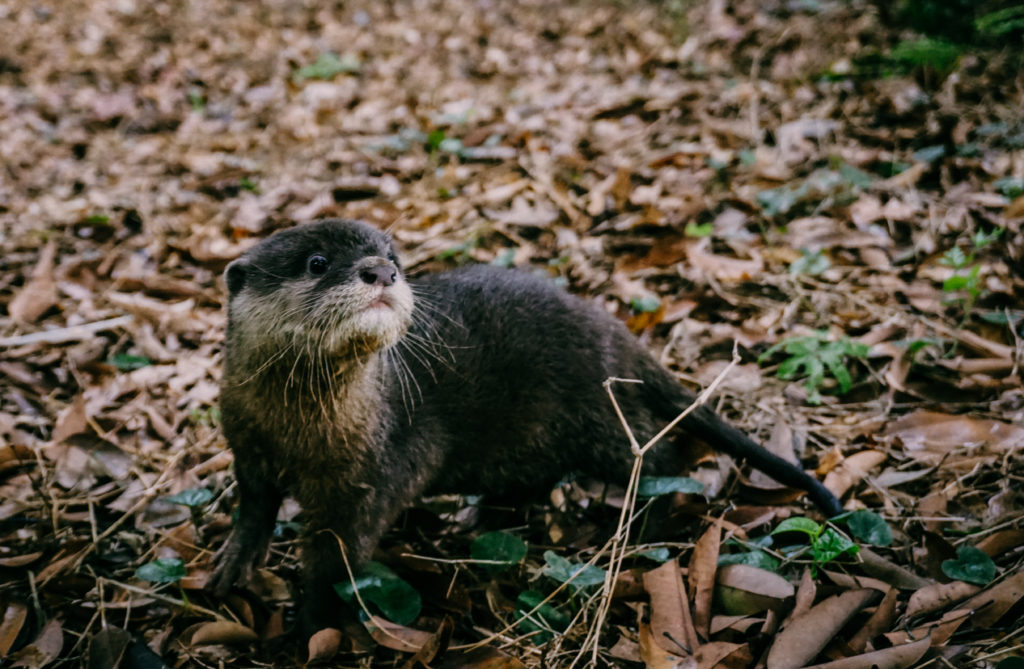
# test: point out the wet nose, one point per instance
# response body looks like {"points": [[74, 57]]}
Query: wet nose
{"points": [[383, 275]]}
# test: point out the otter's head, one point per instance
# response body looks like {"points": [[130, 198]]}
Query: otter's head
{"points": [[330, 288]]}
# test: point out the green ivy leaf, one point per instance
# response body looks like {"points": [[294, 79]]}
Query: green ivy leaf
{"points": [[658, 555], [543, 621], [869, 527], [810, 263], [971, 565], [830, 545], [397, 600], [126, 363], [645, 304], [758, 559], [855, 176], [326, 66], [498, 547], [192, 497], [653, 486], [929, 154], [162, 570], [695, 230], [562, 570], [805, 525]]}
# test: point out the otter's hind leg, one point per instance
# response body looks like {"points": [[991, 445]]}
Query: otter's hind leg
{"points": [[259, 501]]}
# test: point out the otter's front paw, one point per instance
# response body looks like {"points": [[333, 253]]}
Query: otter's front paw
{"points": [[234, 565]]}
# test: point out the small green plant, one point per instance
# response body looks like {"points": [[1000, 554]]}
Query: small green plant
{"points": [[814, 356], [971, 565], [208, 416], [162, 570], [327, 66], [827, 543], [810, 263], [966, 279], [501, 550], [377, 585], [193, 498]]}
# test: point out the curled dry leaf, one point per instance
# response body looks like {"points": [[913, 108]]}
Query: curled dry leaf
{"points": [[879, 621], [896, 657], [938, 596], [851, 470], [670, 609], [889, 572], [221, 631], [40, 293], [805, 637], [701, 574], [10, 626], [746, 590], [930, 435], [323, 645], [397, 637], [656, 657], [44, 650]]}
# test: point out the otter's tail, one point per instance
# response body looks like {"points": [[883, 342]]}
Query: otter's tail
{"points": [[709, 427]]}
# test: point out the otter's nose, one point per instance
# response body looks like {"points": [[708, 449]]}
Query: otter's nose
{"points": [[383, 275]]}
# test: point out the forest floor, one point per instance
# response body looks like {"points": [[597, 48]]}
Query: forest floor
{"points": [[740, 173]]}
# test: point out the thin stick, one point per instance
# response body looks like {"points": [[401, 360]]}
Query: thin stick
{"points": [[64, 335], [188, 606], [618, 548]]}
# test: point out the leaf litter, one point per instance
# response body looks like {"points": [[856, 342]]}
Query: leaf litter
{"points": [[712, 174]]}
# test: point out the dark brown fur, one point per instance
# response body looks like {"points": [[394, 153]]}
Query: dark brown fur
{"points": [[489, 382]]}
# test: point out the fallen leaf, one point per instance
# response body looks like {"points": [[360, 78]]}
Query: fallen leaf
{"points": [[938, 596], [323, 645], [895, 657], [746, 590], [670, 609], [701, 575], [805, 637], [221, 631], [44, 650], [10, 626], [851, 470], [40, 293]]}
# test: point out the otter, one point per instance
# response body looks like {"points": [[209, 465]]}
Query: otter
{"points": [[358, 390]]}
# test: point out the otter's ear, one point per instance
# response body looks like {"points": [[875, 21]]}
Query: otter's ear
{"points": [[235, 275]]}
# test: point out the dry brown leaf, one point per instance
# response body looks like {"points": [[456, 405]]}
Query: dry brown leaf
{"points": [[721, 267], [851, 470], [44, 650], [701, 575], [937, 632], [670, 609], [323, 645], [746, 590], [71, 420], [896, 657], [990, 604], [885, 570], [40, 293], [938, 596], [806, 636], [397, 637], [929, 435], [10, 626], [879, 621], [853, 581], [723, 655], [656, 657], [221, 631], [993, 545], [15, 455]]}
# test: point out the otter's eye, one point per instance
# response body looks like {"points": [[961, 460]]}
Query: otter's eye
{"points": [[317, 264]]}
